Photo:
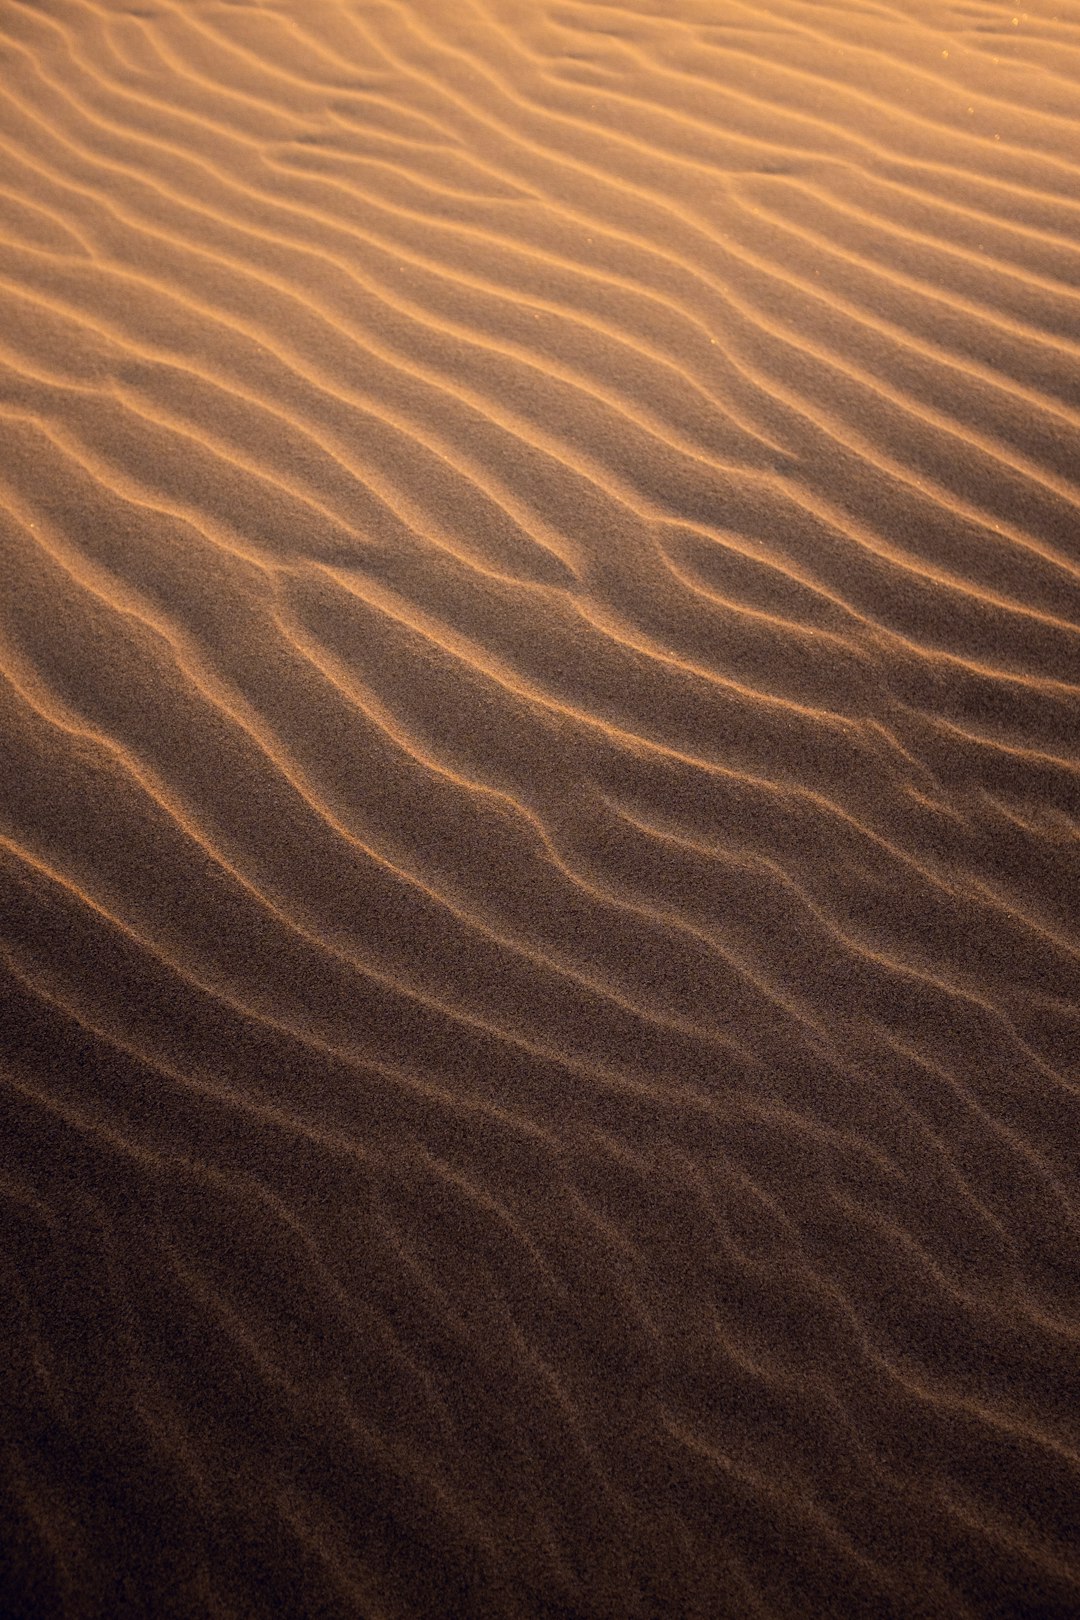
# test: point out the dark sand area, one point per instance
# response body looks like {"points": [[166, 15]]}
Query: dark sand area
{"points": [[539, 810]]}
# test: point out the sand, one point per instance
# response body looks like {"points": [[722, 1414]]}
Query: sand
{"points": [[539, 808]]}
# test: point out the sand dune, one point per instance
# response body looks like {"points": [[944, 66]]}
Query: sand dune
{"points": [[539, 860]]}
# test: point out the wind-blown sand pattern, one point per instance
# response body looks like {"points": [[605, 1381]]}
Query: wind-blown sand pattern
{"points": [[540, 651]]}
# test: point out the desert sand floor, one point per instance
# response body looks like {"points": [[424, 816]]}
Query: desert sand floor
{"points": [[540, 809]]}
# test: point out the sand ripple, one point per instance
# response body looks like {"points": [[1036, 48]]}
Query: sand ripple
{"points": [[539, 866]]}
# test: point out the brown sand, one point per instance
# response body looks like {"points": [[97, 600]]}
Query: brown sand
{"points": [[540, 651]]}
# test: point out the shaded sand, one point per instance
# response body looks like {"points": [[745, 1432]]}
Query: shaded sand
{"points": [[540, 652]]}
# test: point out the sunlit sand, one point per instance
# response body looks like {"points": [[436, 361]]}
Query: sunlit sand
{"points": [[539, 714]]}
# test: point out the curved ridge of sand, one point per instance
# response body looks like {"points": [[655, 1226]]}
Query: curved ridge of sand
{"points": [[539, 692]]}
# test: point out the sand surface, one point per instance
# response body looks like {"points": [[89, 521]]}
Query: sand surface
{"points": [[539, 808]]}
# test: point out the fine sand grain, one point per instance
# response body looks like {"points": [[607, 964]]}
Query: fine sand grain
{"points": [[539, 809]]}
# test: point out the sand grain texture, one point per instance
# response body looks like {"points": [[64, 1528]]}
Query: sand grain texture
{"points": [[539, 867]]}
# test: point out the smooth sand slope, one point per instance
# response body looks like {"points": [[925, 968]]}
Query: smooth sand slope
{"points": [[539, 807]]}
